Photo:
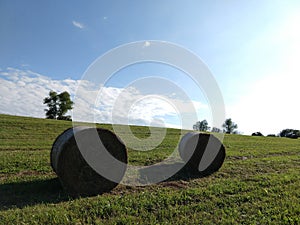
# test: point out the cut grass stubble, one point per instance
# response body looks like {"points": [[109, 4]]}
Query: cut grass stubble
{"points": [[257, 184]]}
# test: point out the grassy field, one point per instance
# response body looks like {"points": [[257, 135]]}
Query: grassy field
{"points": [[259, 183]]}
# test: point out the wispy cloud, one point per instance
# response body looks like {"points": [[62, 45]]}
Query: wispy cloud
{"points": [[78, 24]]}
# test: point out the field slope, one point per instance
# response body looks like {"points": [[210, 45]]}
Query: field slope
{"points": [[259, 183]]}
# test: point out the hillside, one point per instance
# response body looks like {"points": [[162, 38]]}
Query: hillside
{"points": [[258, 183]]}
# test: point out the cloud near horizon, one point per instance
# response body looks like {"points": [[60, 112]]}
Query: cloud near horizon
{"points": [[23, 91]]}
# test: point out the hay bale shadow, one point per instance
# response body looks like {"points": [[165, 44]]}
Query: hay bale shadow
{"points": [[28, 193], [186, 173]]}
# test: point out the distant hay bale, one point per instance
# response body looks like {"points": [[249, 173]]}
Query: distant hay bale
{"points": [[257, 134], [203, 153], [75, 174]]}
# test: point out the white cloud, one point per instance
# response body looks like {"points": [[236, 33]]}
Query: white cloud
{"points": [[146, 44], [78, 24], [23, 91], [129, 106]]}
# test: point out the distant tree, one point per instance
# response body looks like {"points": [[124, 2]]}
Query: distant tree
{"points": [[216, 130], [257, 134], [290, 133], [229, 126], [201, 126], [271, 135], [58, 105]]}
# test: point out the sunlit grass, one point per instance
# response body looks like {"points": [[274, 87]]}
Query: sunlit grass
{"points": [[257, 184]]}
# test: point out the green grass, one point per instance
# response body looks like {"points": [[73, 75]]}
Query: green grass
{"points": [[259, 183]]}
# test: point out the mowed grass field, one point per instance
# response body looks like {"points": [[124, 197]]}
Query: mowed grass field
{"points": [[259, 183]]}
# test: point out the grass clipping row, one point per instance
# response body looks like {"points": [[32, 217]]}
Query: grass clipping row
{"points": [[75, 174], [203, 153]]}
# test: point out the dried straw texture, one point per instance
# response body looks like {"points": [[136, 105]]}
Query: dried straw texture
{"points": [[75, 174]]}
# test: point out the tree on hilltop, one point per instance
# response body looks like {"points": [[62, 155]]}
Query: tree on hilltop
{"points": [[229, 126], [58, 105], [201, 126]]}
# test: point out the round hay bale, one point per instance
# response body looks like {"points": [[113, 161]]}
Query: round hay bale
{"points": [[75, 174], [203, 153]]}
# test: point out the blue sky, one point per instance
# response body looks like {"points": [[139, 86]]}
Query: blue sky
{"points": [[251, 47]]}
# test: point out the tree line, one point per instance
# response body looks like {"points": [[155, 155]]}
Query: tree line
{"points": [[60, 104], [289, 133], [229, 127]]}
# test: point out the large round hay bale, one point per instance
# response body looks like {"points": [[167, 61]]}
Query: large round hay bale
{"points": [[201, 152], [76, 175]]}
